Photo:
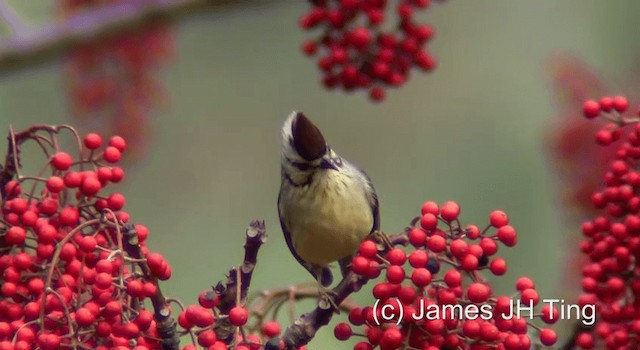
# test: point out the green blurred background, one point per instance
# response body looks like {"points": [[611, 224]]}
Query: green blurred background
{"points": [[472, 131]]}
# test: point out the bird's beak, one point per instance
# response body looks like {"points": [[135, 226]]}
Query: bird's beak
{"points": [[328, 164]]}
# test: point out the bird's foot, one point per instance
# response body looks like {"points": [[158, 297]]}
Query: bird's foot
{"points": [[382, 237], [328, 295]]}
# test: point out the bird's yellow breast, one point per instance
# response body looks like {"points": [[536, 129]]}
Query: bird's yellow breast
{"points": [[328, 219]]}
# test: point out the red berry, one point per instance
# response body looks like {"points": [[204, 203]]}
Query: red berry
{"points": [[417, 237], [437, 244], [72, 179], [421, 277], [548, 337], [591, 109], [238, 316], [116, 201], [112, 154], [368, 249], [524, 283], [208, 299], [377, 94], [61, 161], [450, 211], [342, 331], [55, 184], [396, 256], [453, 278], [91, 186], [498, 266], [270, 329], [430, 208], [478, 292], [418, 258], [620, 104], [498, 218], [118, 142], [92, 141], [16, 235], [507, 235], [429, 221], [395, 274]]}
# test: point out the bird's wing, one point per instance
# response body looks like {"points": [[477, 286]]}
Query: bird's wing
{"points": [[327, 276]]}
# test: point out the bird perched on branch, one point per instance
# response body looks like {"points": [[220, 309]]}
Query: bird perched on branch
{"points": [[327, 205]]}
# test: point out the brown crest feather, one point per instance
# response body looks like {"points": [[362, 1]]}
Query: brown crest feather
{"points": [[307, 138]]}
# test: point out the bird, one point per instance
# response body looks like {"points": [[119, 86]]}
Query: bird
{"points": [[327, 205]]}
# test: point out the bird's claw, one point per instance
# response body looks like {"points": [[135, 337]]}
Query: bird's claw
{"points": [[382, 237], [329, 295]]}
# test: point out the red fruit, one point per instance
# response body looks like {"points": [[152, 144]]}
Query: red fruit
{"points": [[418, 258], [360, 38], [92, 141], [391, 339], [377, 94], [368, 249], [360, 265], [507, 235], [429, 221], [421, 277], [61, 161], [478, 292], [591, 109], [84, 317], [91, 185], [498, 266], [342, 331], [417, 237], [524, 283], [69, 216], [117, 174], [87, 244], [437, 244], [16, 235], [270, 329], [620, 104], [450, 211], [55, 184], [207, 338], [238, 316], [112, 154], [395, 274], [208, 299], [453, 278], [396, 256], [498, 218], [529, 296], [548, 337], [72, 179], [118, 142], [116, 201], [430, 208]]}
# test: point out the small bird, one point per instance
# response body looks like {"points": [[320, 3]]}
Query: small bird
{"points": [[327, 205]]}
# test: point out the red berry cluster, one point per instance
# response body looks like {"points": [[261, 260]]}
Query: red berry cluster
{"points": [[444, 268], [201, 320], [611, 278], [67, 277], [113, 81], [357, 53], [579, 160]]}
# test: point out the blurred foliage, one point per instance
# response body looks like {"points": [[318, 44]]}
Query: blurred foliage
{"points": [[471, 131]]}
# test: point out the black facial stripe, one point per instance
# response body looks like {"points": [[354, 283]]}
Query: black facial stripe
{"points": [[306, 182]]}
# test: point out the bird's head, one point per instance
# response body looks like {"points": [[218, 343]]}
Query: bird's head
{"points": [[304, 147]]}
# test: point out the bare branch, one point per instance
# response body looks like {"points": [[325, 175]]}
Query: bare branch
{"points": [[305, 327], [49, 40]]}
